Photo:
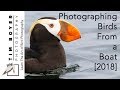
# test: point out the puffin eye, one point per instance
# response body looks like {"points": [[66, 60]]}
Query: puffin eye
{"points": [[51, 25]]}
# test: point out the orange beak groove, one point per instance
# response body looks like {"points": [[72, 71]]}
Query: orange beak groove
{"points": [[68, 32]]}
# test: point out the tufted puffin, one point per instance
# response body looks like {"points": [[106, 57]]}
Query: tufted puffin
{"points": [[46, 52]]}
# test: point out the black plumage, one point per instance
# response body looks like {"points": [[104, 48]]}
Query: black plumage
{"points": [[45, 52]]}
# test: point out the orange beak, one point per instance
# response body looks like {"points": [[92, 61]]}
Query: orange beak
{"points": [[68, 32]]}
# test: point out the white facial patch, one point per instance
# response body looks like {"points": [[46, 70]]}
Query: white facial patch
{"points": [[47, 22], [53, 30]]}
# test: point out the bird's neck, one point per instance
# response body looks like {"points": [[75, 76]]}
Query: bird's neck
{"points": [[37, 46]]}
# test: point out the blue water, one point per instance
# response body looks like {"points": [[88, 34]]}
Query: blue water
{"points": [[84, 51]]}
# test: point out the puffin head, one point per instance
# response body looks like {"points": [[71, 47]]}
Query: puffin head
{"points": [[61, 29]]}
